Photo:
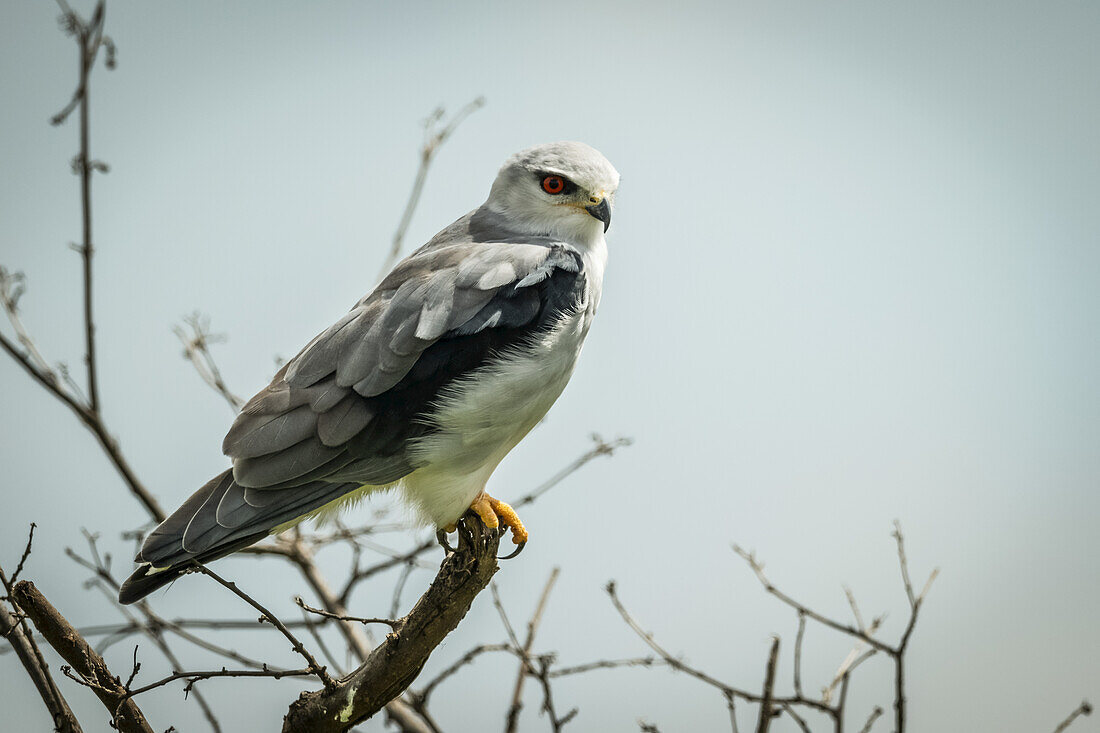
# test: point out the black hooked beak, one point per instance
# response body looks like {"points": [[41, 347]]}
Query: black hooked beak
{"points": [[601, 211]]}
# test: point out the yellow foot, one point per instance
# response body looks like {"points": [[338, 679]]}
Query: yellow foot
{"points": [[494, 512]]}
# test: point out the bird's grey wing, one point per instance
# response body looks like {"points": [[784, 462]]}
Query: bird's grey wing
{"points": [[342, 412], [348, 404]]}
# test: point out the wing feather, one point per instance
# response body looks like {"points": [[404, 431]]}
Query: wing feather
{"points": [[387, 356]]}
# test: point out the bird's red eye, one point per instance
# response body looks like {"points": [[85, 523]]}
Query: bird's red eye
{"points": [[553, 184]]}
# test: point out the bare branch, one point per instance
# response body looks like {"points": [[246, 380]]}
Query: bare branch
{"points": [[1085, 708], [601, 448], [75, 650], [758, 568], [731, 706], [464, 660], [875, 714], [12, 287], [504, 618], [853, 660], [196, 340], [392, 623], [298, 553], [153, 626], [434, 137], [396, 662], [94, 422], [362, 574], [18, 634], [313, 626], [193, 677], [855, 609], [296, 645], [23, 558], [399, 586], [542, 674], [525, 668], [798, 719], [90, 38], [606, 664], [679, 665], [896, 534], [766, 713], [798, 653], [899, 653]]}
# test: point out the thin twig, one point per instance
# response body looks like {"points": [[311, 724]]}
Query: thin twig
{"points": [[392, 623], [731, 707], [12, 287], [798, 653], [853, 660], [855, 609], [525, 668], [681, 666], [504, 617], [798, 719], [395, 604], [871, 720], [462, 661], [23, 559], [196, 349], [766, 713], [434, 137], [601, 448], [758, 568], [313, 627], [296, 645], [542, 674], [193, 677], [1085, 708], [91, 420], [606, 664], [896, 534]]}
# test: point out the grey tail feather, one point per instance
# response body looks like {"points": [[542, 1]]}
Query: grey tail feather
{"points": [[216, 521], [141, 583]]}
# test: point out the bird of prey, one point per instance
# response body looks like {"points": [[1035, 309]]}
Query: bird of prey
{"points": [[427, 383]]}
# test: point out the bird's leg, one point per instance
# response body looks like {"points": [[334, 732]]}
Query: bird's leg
{"points": [[494, 512], [441, 538]]}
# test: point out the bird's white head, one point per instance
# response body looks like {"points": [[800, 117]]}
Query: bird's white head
{"points": [[565, 189]]}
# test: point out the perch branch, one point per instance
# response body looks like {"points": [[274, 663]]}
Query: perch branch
{"points": [[395, 663]]}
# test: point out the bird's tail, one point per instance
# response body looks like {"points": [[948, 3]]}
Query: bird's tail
{"points": [[219, 519]]}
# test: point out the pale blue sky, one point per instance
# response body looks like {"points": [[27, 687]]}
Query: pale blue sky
{"points": [[853, 278]]}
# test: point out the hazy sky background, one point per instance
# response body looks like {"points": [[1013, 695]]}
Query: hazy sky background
{"points": [[854, 277]]}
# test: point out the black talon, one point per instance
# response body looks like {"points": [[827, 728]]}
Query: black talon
{"points": [[519, 549], [441, 538]]}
